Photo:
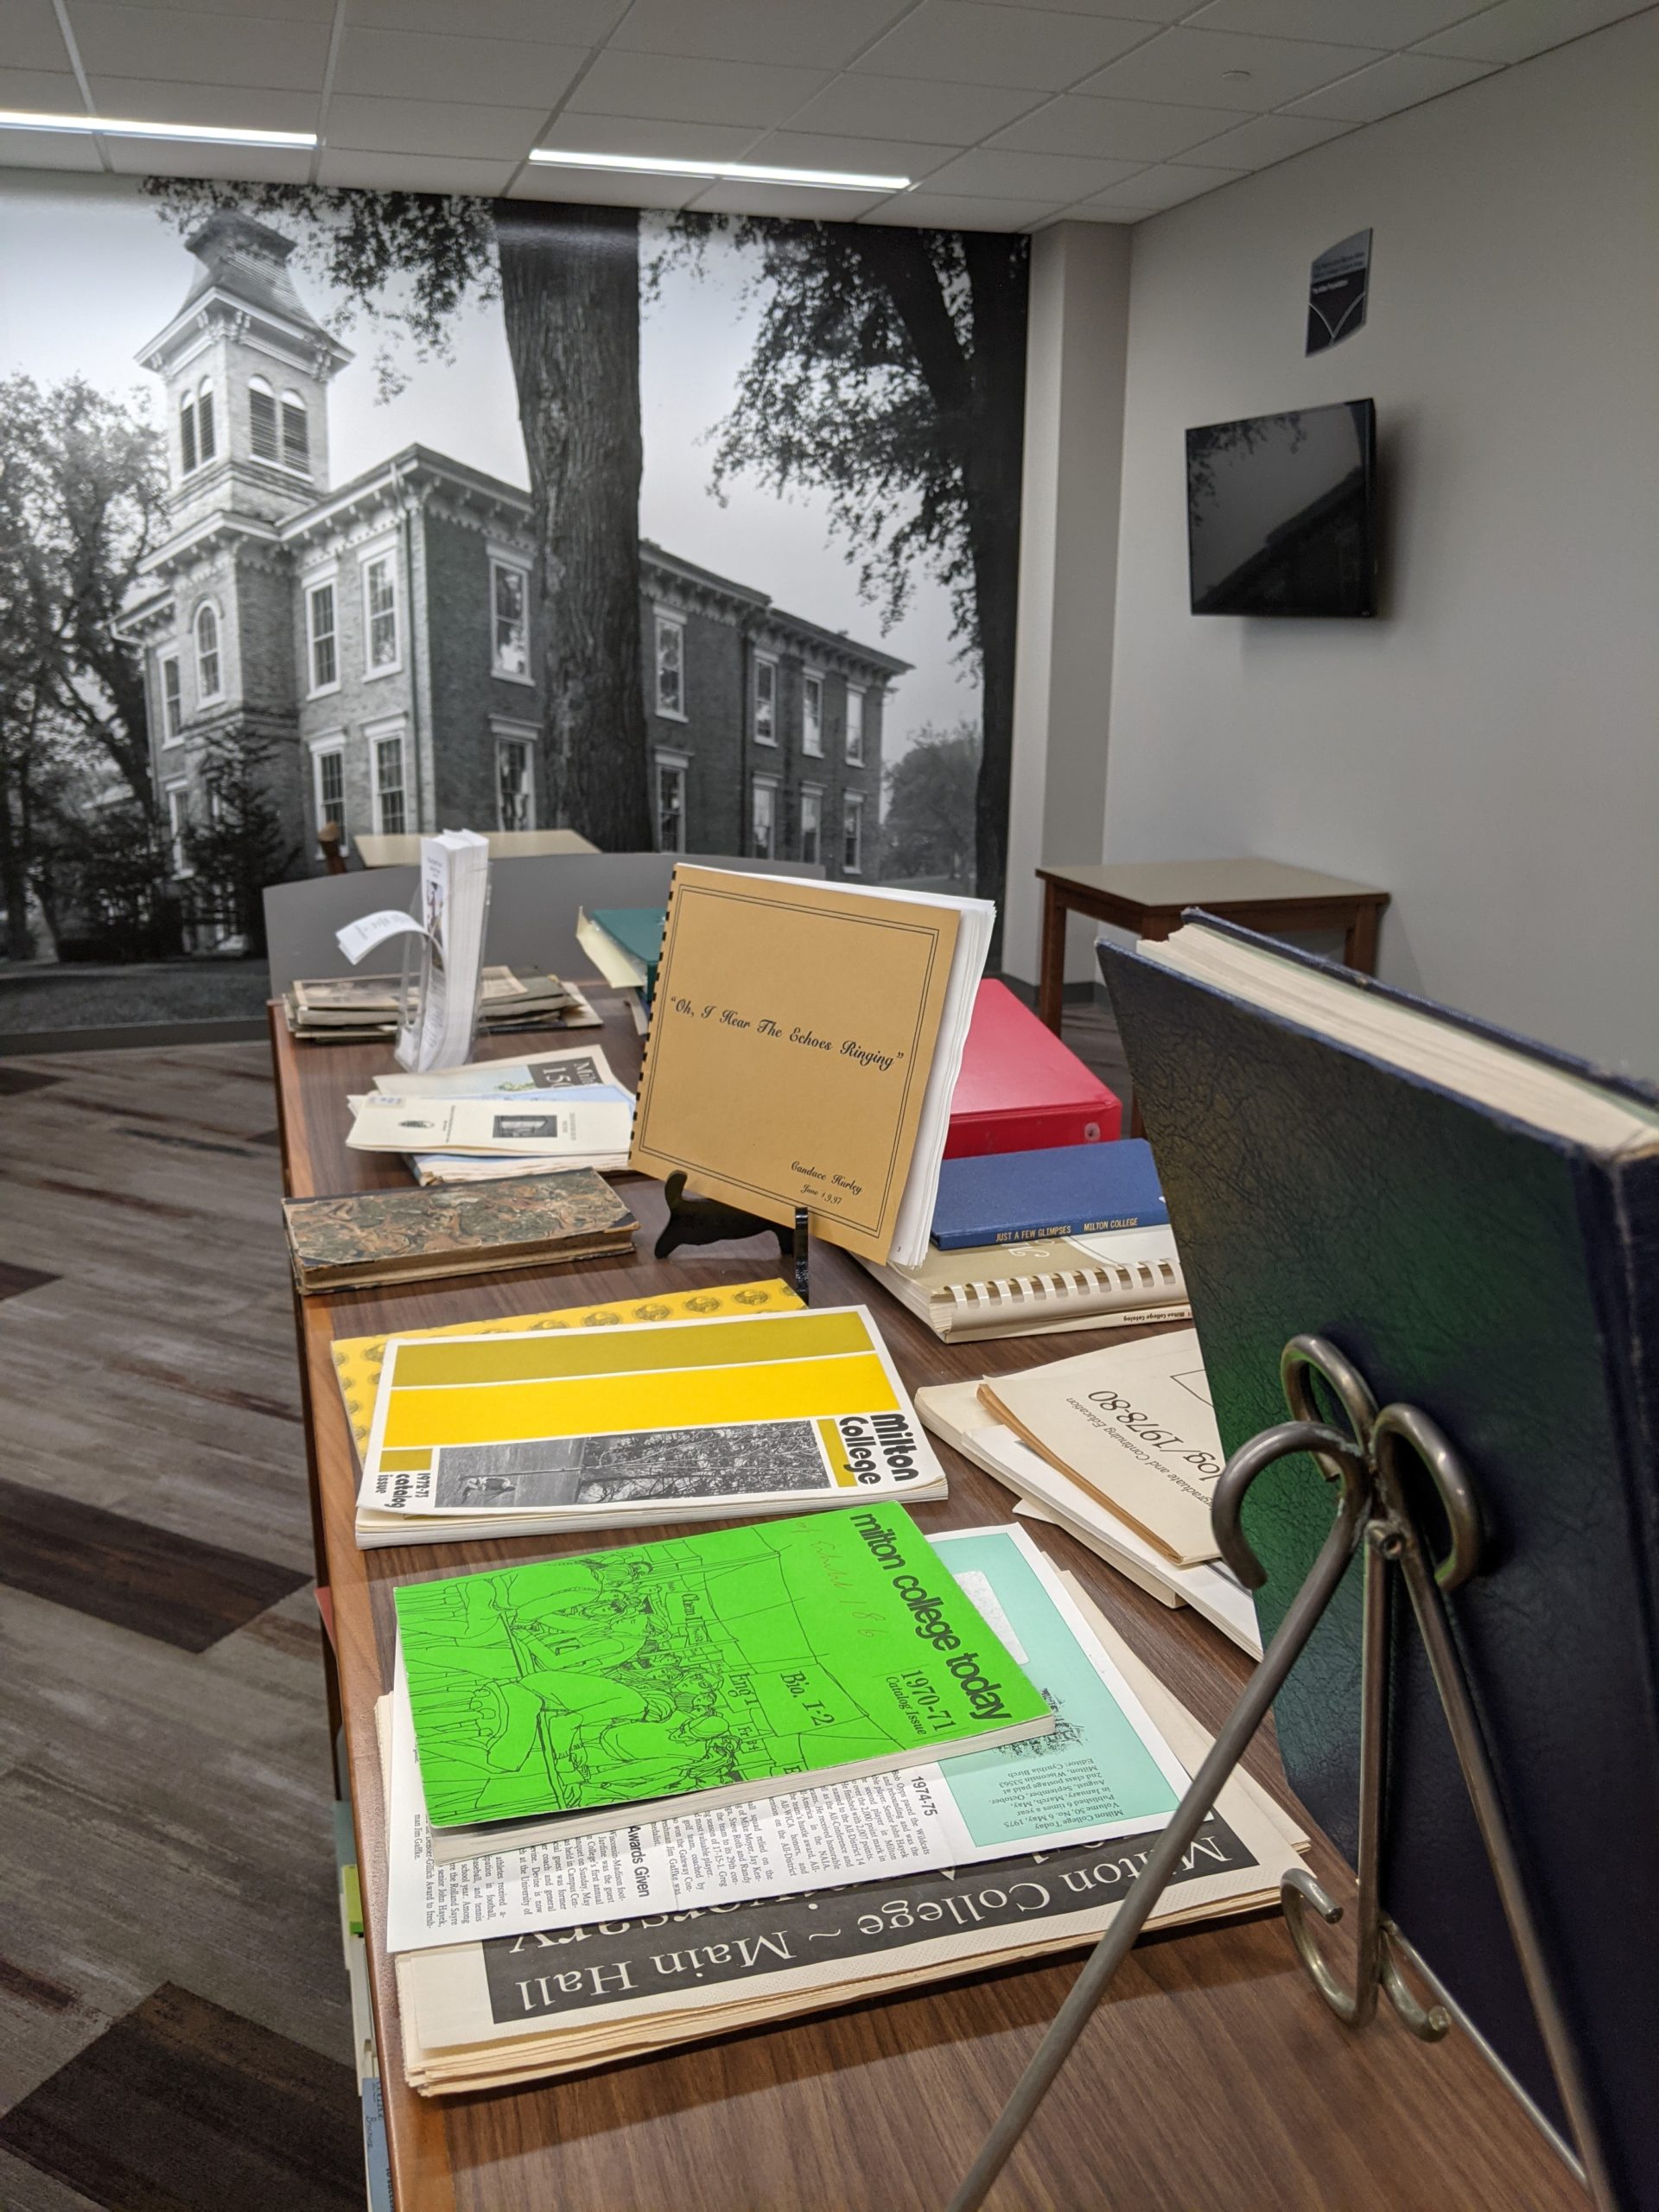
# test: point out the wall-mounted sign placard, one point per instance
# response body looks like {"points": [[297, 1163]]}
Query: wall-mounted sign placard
{"points": [[1337, 288]]}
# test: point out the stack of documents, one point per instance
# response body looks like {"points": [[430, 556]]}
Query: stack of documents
{"points": [[550, 1959], [699, 1416], [541, 1114], [1123, 1278], [356, 1009], [454, 900], [956, 1412]]}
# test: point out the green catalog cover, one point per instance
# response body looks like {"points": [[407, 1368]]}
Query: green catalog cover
{"points": [[588, 1693]]}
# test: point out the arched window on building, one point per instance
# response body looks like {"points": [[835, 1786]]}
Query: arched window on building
{"points": [[208, 676], [187, 431], [261, 420], [206, 443], [296, 434]]}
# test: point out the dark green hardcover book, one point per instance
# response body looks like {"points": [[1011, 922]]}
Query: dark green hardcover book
{"points": [[1474, 1221]]}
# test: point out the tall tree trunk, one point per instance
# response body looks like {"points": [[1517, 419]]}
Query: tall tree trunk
{"points": [[14, 871], [998, 274], [571, 294]]}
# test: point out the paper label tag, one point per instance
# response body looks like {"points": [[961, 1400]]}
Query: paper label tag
{"points": [[360, 937]]}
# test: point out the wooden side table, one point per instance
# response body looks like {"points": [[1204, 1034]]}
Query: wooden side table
{"points": [[1149, 896]]}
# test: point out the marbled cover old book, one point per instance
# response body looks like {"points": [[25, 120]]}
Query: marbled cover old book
{"points": [[373, 1237]]}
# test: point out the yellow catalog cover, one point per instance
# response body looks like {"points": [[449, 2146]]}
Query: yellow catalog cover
{"points": [[793, 1030], [664, 1419]]}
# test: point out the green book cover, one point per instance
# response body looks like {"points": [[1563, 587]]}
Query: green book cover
{"points": [[638, 931], [723, 1663]]}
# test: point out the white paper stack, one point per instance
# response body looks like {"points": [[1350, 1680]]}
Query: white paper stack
{"points": [[953, 1411], [454, 901]]}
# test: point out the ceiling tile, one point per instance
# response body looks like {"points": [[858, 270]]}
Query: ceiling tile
{"points": [[486, 72], [1094, 210], [1400, 80], [694, 91], [201, 49], [443, 127], [1128, 131], [285, 11], [1517, 29], [803, 33], [1220, 69], [863, 107], [1266, 139], [33, 40], [802, 202], [1167, 185], [938, 211], [592, 188], [810, 150], [172, 157], [42, 92], [1149, 12], [46, 150], [246, 107], [571, 22], [1057, 178], [644, 134], [413, 172], [1349, 22], [966, 42]]}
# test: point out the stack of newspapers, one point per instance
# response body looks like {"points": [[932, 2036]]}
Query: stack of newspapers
{"points": [[714, 1911], [356, 1009], [541, 1114]]}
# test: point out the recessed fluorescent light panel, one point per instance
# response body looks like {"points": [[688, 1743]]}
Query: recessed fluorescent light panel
{"points": [[108, 126], [720, 172]]}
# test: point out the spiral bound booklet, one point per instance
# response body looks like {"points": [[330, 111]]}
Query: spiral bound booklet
{"points": [[1123, 1278], [805, 1039]]}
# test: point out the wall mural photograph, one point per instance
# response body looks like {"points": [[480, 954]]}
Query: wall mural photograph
{"points": [[398, 513]]}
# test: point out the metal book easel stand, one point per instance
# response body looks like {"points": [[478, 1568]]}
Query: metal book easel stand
{"points": [[1366, 1461], [710, 1221]]}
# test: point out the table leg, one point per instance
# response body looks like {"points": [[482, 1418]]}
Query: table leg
{"points": [[1051, 972], [1359, 943]]}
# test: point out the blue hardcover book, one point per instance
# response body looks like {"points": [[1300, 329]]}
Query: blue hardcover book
{"points": [[1474, 1221], [1066, 1190]]}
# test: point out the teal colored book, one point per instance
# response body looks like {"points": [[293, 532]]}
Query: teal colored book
{"points": [[605, 1689], [637, 933]]}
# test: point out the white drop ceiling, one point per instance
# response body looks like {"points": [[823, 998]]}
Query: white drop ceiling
{"points": [[1006, 116]]}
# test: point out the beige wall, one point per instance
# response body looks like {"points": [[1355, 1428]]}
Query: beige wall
{"points": [[1489, 750], [1068, 568]]}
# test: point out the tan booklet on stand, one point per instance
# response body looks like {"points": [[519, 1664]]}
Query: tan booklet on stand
{"points": [[804, 1041]]}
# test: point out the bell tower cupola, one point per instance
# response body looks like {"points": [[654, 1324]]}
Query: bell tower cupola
{"points": [[247, 368]]}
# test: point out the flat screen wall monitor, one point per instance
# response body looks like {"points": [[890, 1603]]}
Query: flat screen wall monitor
{"points": [[1281, 513]]}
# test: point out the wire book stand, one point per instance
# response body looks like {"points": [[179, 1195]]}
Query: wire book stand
{"points": [[1365, 1462]]}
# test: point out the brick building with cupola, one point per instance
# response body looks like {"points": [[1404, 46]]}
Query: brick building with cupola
{"points": [[375, 640]]}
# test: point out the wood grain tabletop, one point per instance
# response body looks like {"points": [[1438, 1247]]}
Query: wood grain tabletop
{"points": [[1213, 2080]]}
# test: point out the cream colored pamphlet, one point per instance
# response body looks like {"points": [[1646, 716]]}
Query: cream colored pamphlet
{"points": [[792, 1034], [1134, 1424]]}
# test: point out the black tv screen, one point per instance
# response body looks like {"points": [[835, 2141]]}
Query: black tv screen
{"points": [[1281, 515]]}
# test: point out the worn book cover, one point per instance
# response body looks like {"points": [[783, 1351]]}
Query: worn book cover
{"points": [[573, 1693], [1134, 1425], [801, 1406], [792, 1032], [370, 1237]]}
